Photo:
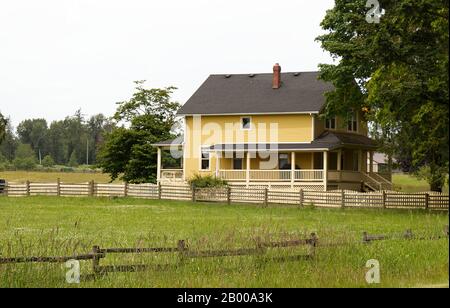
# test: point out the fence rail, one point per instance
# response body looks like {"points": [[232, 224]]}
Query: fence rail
{"points": [[234, 194], [185, 251]]}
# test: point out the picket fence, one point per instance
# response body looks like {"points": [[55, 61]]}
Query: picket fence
{"points": [[234, 194]]}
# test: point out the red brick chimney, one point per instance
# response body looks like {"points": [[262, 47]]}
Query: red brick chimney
{"points": [[276, 83]]}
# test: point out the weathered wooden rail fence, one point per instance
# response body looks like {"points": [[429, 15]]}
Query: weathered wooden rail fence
{"points": [[182, 249], [234, 194], [185, 252]]}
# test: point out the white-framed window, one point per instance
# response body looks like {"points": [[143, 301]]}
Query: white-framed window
{"points": [[330, 123], [352, 124], [246, 123], [205, 160]]}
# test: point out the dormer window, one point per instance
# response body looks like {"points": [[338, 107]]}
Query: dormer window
{"points": [[352, 124], [246, 123], [330, 123]]}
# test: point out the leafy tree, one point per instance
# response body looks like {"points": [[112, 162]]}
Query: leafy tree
{"points": [[48, 162], [397, 72], [9, 145], [73, 161], [3, 124], [34, 132], [25, 158], [147, 117]]}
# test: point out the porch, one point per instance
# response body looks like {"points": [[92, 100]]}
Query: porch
{"points": [[329, 169]]}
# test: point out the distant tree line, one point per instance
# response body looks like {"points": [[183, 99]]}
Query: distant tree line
{"points": [[70, 142]]}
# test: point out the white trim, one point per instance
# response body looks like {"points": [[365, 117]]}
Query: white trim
{"points": [[313, 131], [252, 113], [184, 150]]}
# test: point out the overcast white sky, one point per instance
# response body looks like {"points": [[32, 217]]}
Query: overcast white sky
{"points": [[57, 56]]}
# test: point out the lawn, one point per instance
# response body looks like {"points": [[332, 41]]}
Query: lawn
{"points": [[68, 177], [410, 184], [64, 226]]}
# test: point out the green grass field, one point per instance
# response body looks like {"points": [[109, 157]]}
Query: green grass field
{"points": [[411, 184], [63, 226]]}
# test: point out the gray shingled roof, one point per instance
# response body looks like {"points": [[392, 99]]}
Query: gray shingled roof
{"points": [[242, 94], [327, 141]]}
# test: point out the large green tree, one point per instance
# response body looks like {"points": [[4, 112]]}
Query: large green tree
{"points": [[397, 71], [146, 118], [3, 124]]}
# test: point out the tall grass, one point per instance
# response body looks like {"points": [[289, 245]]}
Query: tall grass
{"points": [[45, 226]]}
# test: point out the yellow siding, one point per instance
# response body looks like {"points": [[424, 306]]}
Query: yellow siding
{"points": [[210, 130]]}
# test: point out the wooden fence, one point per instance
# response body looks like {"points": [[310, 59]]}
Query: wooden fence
{"points": [[182, 249], [235, 194], [185, 252]]}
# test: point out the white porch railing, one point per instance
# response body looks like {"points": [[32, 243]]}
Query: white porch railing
{"points": [[271, 175]]}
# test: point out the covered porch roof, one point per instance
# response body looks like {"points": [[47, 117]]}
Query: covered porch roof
{"points": [[170, 142]]}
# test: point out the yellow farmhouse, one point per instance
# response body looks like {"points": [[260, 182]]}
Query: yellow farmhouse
{"points": [[265, 130]]}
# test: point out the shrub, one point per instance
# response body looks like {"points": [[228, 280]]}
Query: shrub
{"points": [[48, 162], [25, 158], [207, 181], [73, 161]]}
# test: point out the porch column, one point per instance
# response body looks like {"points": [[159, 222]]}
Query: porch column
{"points": [[292, 169], [325, 170], [371, 162], [339, 164], [247, 177], [360, 158], [218, 159], [158, 171]]}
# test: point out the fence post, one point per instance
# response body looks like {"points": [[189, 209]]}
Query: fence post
{"points": [[125, 190], [266, 197], [384, 199], [5, 191], [58, 187], [343, 198], [365, 237], [427, 201], [96, 259], [313, 244], [91, 188], [159, 190], [229, 195], [28, 189], [193, 192], [182, 249], [302, 197]]}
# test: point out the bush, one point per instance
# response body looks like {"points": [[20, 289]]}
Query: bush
{"points": [[48, 162], [207, 181], [73, 161], [25, 158], [4, 163]]}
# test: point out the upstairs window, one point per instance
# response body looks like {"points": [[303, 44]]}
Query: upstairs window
{"points": [[246, 123], [330, 123], [352, 125]]}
